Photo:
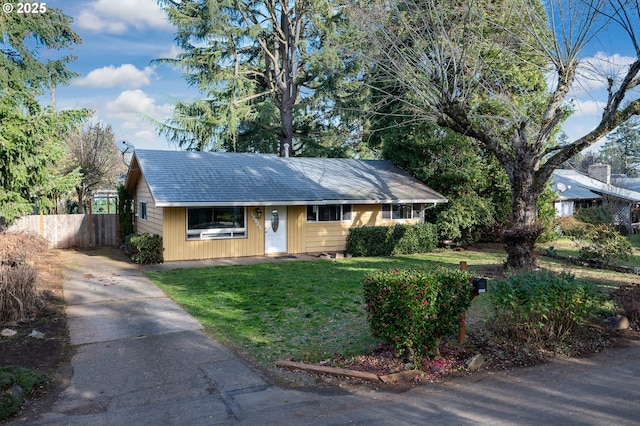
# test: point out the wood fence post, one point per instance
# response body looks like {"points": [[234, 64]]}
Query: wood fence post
{"points": [[90, 222], [463, 316]]}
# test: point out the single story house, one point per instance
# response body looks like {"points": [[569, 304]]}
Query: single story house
{"points": [[219, 204], [576, 190], [625, 182]]}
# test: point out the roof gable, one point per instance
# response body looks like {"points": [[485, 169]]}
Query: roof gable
{"points": [[183, 178]]}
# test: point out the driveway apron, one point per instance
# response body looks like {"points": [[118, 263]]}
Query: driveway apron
{"points": [[142, 360]]}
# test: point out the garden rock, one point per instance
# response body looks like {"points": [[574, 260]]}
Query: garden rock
{"points": [[16, 391], [619, 322], [7, 332], [36, 334], [476, 362]]}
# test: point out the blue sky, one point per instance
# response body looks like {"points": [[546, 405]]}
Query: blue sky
{"points": [[120, 39], [118, 81]]}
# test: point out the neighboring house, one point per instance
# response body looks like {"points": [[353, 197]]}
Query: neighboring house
{"points": [[625, 182], [576, 190], [218, 204]]}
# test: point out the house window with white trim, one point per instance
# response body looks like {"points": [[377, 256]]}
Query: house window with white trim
{"points": [[143, 210], [329, 213], [401, 211], [206, 223]]}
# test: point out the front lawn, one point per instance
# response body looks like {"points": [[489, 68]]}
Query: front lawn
{"points": [[303, 310], [568, 247], [313, 310]]}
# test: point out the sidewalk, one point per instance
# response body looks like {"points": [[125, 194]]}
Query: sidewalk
{"points": [[142, 360]]}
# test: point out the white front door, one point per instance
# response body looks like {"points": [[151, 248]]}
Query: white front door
{"points": [[275, 228]]}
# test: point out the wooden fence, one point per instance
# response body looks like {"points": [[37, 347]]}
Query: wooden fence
{"points": [[71, 230]]}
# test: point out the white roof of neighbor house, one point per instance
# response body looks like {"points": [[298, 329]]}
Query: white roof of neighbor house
{"points": [[632, 184], [572, 185], [184, 178]]}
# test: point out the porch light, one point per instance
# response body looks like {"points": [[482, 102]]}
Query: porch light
{"points": [[258, 212]]}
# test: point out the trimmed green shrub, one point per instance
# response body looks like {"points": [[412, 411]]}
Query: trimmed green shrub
{"points": [[604, 244], [9, 405], [596, 215], [571, 227], [392, 240], [540, 308], [144, 248], [125, 213], [412, 309], [15, 376]]}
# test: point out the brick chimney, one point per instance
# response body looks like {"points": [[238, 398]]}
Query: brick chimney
{"points": [[601, 172]]}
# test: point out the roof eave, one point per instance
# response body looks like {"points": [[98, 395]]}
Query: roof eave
{"points": [[292, 202]]}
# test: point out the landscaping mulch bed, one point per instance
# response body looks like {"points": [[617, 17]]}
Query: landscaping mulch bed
{"points": [[50, 355]]}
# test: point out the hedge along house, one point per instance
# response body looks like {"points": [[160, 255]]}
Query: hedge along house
{"points": [[218, 204]]}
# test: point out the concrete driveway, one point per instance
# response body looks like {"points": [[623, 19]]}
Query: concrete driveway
{"points": [[142, 360]]}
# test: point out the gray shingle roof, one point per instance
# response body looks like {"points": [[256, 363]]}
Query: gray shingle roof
{"points": [[582, 187], [632, 184], [181, 178]]}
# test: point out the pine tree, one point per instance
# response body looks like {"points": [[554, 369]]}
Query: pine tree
{"points": [[31, 136], [270, 74], [622, 149]]}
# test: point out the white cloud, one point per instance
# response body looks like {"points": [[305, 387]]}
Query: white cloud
{"points": [[126, 75], [594, 72], [584, 108], [171, 53], [143, 135], [116, 16], [138, 103]]}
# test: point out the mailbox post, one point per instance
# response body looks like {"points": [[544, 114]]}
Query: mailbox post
{"points": [[479, 286]]}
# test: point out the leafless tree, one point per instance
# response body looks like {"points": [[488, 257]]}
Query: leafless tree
{"points": [[501, 72], [93, 149]]}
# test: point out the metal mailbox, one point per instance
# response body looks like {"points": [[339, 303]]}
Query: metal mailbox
{"points": [[479, 285]]}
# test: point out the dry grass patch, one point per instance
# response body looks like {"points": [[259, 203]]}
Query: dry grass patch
{"points": [[20, 298]]}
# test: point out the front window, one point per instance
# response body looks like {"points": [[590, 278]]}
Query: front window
{"points": [[143, 210], [329, 213], [401, 211], [216, 222]]}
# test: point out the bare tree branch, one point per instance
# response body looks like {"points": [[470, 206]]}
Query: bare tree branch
{"points": [[481, 68]]}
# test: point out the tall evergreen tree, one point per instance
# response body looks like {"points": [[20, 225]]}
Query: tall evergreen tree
{"points": [[473, 182], [271, 77], [622, 149], [32, 136]]}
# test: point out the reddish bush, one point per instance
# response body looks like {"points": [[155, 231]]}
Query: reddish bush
{"points": [[413, 309]]}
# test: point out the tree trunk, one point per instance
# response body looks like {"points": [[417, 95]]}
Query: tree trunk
{"points": [[520, 240], [80, 193], [285, 137]]}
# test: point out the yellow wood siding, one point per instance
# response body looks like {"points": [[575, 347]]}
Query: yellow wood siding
{"points": [[302, 236], [153, 224], [178, 248], [296, 226], [332, 236]]}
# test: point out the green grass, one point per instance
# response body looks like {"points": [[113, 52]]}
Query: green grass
{"points": [[635, 240], [567, 247], [302, 310], [309, 310]]}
